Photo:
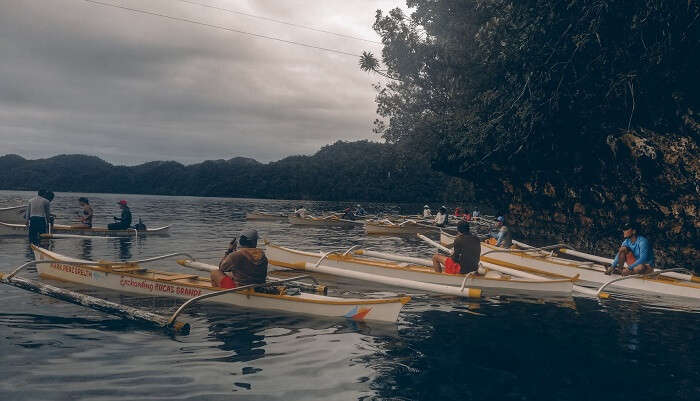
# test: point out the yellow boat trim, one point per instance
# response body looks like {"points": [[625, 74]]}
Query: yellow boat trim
{"points": [[664, 280], [250, 292], [412, 268]]}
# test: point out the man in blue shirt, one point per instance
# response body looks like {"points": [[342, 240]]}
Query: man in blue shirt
{"points": [[636, 251]]}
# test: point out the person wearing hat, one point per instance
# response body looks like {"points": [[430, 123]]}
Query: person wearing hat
{"points": [[636, 251], [504, 238], [465, 257], [123, 222], [426, 212], [441, 219], [243, 263]]}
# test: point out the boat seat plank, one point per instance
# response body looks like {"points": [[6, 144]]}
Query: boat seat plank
{"points": [[179, 277]]}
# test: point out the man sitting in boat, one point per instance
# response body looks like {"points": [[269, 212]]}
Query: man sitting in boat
{"points": [[426, 212], [441, 217], [359, 211], [504, 238], [243, 266], [636, 251], [300, 212], [465, 257], [348, 214], [123, 222], [38, 214], [86, 214]]}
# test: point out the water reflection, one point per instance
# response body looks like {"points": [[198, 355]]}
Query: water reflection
{"points": [[123, 247], [86, 246]]}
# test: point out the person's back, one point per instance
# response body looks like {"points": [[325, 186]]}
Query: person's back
{"points": [[467, 250], [246, 266], [38, 207], [504, 239]]}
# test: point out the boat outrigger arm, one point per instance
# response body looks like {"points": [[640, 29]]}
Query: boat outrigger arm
{"points": [[646, 275], [102, 305]]}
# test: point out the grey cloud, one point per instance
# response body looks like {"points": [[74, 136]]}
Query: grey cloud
{"points": [[77, 78]]}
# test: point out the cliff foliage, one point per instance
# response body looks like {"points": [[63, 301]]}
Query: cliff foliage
{"points": [[573, 115]]}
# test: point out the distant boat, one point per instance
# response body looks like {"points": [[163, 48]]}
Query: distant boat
{"points": [[14, 214]]}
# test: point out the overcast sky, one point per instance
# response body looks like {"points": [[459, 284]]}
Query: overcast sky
{"points": [[76, 77]]}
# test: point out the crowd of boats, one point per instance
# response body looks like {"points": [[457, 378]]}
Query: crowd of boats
{"points": [[512, 268]]}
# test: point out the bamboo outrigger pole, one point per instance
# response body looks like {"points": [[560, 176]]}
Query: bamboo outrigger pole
{"points": [[102, 305]]}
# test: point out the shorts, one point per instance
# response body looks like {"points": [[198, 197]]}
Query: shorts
{"points": [[452, 267], [629, 258], [227, 282]]}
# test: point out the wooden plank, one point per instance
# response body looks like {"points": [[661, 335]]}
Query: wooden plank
{"points": [[179, 277]]}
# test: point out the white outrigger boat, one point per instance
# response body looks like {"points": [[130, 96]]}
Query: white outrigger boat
{"points": [[388, 227], [590, 273], [13, 215], [265, 216], [373, 264], [328, 221], [21, 229], [136, 279]]}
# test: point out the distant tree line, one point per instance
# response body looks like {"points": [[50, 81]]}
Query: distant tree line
{"points": [[362, 171]]}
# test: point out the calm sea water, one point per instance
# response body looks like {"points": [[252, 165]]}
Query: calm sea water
{"points": [[498, 348]]}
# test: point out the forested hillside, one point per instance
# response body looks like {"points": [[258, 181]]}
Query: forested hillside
{"points": [[343, 171]]}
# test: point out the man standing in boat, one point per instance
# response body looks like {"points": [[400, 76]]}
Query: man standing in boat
{"points": [[636, 251], [465, 257], [38, 215], [243, 265], [441, 219], [123, 222]]}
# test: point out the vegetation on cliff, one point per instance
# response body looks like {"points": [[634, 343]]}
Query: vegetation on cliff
{"points": [[574, 115]]}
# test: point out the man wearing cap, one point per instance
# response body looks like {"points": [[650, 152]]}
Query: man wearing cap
{"points": [[504, 238], [124, 222], [636, 251], [241, 265], [465, 257], [441, 219], [426, 212]]}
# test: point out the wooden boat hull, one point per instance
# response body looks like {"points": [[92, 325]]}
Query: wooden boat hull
{"points": [[185, 286], [13, 215], [377, 228], [285, 257], [321, 222], [589, 274], [265, 216], [20, 229]]}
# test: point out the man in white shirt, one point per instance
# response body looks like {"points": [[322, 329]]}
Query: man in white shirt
{"points": [[38, 215]]}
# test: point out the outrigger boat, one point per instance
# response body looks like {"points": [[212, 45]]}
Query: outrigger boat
{"points": [[328, 221], [136, 279], [414, 269], [21, 229], [388, 227], [14, 214], [590, 273], [265, 216]]}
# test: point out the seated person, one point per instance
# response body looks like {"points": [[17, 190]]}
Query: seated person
{"points": [[426, 212], [441, 219], [123, 222], [504, 238], [636, 251], [300, 211], [465, 258], [243, 265], [86, 213], [359, 211], [348, 215]]}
